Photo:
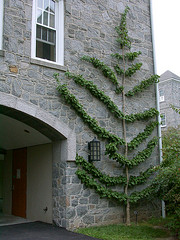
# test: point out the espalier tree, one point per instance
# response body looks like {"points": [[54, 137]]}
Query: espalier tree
{"points": [[91, 176]]}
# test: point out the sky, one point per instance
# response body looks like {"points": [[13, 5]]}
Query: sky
{"points": [[166, 24]]}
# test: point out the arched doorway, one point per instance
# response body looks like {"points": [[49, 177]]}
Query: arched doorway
{"points": [[42, 143]]}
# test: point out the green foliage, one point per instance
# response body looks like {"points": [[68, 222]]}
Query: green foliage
{"points": [[128, 56], [103, 178], [111, 151], [122, 232], [87, 172], [119, 70], [99, 188], [167, 183], [92, 123], [143, 85], [130, 71], [112, 181], [123, 38], [133, 69], [152, 112], [108, 102], [175, 109], [97, 93], [111, 194], [107, 71], [146, 153], [142, 136], [171, 147]]}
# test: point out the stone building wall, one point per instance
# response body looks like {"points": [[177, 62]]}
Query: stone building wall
{"points": [[89, 30], [171, 89]]}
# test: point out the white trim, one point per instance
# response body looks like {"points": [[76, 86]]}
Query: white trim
{"points": [[161, 98], [59, 33], [1, 23], [170, 79], [68, 135], [164, 120]]}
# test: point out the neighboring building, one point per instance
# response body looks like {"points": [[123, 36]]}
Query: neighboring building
{"points": [[39, 133], [169, 94]]}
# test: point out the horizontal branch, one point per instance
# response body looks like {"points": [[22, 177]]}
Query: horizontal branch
{"points": [[91, 122], [111, 151], [107, 71], [143, 85], [146, 153], [128, 56], [130, 71], [101, 190], [96, 173], [143, 135], [110, 194], [109, 180], [113, 108]]}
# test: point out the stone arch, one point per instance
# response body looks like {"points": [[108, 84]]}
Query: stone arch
{"points": [[63, 144], [41, 120]]}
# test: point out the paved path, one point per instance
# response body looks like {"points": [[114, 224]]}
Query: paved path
{"points": [[39, 231]]}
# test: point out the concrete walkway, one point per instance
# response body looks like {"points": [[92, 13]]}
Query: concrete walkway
{"points": [[38, 231], [6, 219]]}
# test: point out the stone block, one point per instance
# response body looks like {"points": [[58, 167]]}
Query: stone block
{"points": [[88, 219], [13, 69], [16, 88], [94, 199], [81, 210]]}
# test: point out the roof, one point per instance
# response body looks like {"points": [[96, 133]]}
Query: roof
{"points": [[168, 75]]}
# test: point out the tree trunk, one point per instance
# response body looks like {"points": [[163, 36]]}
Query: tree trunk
{"points": [[126, 146]]}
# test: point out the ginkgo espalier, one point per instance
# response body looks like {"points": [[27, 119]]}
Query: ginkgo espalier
{"points": [[91, 176]]}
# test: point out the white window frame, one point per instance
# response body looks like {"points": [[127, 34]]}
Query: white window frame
{"points": [[1, 23], [161, 97], [164, 115], [59, 23]]}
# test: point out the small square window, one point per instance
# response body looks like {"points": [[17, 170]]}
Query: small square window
{"points": [[161, 95], [163, 120]]}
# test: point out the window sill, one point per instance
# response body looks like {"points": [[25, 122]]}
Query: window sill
{"points": [[2, 53], [48, 64]]}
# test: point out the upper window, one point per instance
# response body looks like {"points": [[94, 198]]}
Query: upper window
{"points": [[161, 95], [48, 30], [163, 120]]}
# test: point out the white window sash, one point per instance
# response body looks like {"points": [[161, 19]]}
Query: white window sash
{"points": [[59, 24], [163, 120]]}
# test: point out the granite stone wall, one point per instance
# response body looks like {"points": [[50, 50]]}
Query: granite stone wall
{"points": [[171, 90], [89, 30]]}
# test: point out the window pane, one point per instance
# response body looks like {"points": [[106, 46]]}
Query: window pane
{"points": [[39, 16], [40, 3], [52, 20], [52, 6], [45, 51], [46, 5], [51, 36], [161, 92], [38, 32], [44, 34], [45, 18]]}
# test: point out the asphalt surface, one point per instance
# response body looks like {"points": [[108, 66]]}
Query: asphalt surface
{"points": [[39, 231]]}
